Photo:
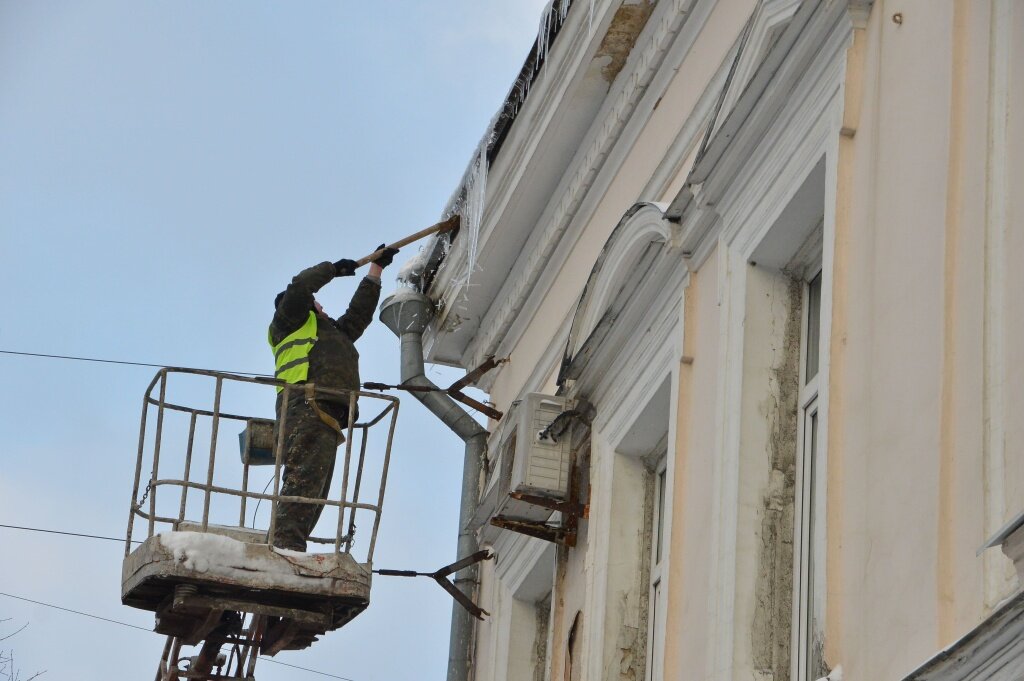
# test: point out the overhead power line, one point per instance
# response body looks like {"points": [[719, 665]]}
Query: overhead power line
{"points": [[69, 534], [135, 626], [74, 612], [124, 362]]}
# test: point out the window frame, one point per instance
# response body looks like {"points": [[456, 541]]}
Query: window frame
{"points": [[809, 525], [657, 602]]}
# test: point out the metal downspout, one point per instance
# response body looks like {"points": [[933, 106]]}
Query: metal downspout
{"points": [[407, 313]]}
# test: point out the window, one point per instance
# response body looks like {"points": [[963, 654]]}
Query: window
{"points": [[809, 536], [656, 593], [527, 639]]}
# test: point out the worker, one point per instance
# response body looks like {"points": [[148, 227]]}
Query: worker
{"points": [[313, 349]]}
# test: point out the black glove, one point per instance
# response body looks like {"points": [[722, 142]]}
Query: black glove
{"points": [[344, 268], [385, 258]]}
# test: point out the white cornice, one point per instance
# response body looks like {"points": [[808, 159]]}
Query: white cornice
{"points": [[992, 651], [607, 145], [664, 43], [565, 64]]}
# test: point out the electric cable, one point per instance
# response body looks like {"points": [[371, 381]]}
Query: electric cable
{"points": [[368, 385], [74, 612], [124, 362], [70, 534], [135, 626]]}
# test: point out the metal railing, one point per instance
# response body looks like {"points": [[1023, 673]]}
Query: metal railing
{"points": [[352, 471]]}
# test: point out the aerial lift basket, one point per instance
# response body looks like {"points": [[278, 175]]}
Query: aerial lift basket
{"points": [[209, 571]]}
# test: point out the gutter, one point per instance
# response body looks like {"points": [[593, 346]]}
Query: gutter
{"points": [[407, 314]]}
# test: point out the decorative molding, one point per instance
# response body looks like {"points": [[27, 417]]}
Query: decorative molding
{"points": [[640, 226], [768, 15], [805, 63]]}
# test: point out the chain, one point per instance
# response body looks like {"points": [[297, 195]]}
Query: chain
{"points": [[149, 486]]}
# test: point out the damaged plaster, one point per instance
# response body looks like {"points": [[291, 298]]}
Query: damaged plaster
{"points": [[626, 25], [774, 591], [632, 637]]}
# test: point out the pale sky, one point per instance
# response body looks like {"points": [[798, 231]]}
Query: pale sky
{"points": [[165, 168]]}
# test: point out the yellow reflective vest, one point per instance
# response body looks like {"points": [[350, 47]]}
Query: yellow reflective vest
{"points": [[291, 355]]}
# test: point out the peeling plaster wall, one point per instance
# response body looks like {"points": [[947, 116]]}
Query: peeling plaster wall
{"points": [[540, 659], [624, 576], [633, 630], [569, 596], [771, 386]]}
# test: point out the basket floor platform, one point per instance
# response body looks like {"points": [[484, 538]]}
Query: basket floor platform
{"points": [[194, 581]]}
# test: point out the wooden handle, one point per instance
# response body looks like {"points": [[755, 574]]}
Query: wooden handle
{"points": [[440, 228]]}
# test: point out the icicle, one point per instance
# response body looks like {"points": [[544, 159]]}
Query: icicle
{"points": [[469, 201], [476, 197], [542, 35]]}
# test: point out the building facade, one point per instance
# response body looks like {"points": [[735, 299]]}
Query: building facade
{"points": [[768, 250]]}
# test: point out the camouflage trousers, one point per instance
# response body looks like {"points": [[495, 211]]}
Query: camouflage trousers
{"points": [[310, 450]]}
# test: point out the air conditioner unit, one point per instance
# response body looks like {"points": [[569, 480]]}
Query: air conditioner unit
{"points": [[541, 462], [524, 460]]}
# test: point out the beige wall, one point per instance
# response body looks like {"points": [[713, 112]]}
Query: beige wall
{"points": [[686, 627], [916, 301], [926, 378]]}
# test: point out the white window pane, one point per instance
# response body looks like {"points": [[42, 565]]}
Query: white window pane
{"points": [[659, 517], [813, 328], [655, 659]]}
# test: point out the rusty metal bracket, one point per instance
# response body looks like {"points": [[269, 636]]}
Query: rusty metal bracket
{"points": [[531, 528], [572, 510], [474, 375], [454, 391], [566, 507], [441, 577], [485, 409]]}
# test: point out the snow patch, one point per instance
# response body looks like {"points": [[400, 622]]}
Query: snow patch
{"points": [[196, 550], [834, 675], [411, 273], [210, 553]]}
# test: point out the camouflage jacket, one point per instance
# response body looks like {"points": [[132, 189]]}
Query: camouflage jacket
{"points": [[334, 360]]}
